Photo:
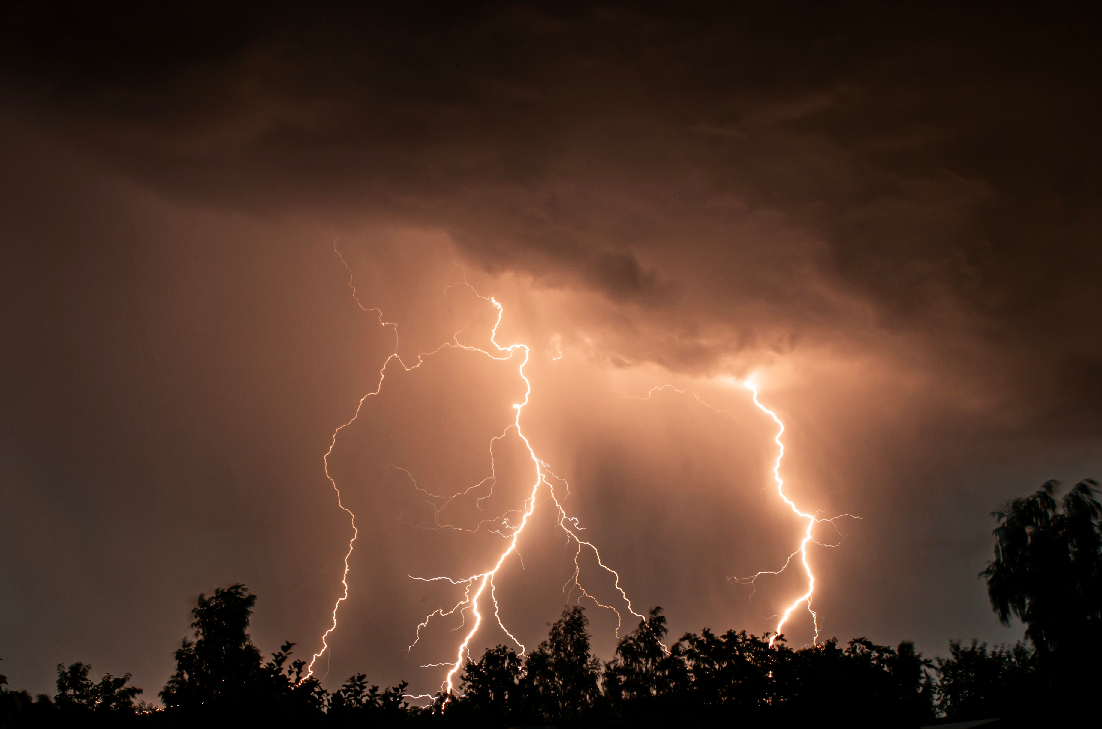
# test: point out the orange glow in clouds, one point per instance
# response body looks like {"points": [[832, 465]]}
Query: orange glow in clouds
{"points": [[476, 586], [480, 581]]}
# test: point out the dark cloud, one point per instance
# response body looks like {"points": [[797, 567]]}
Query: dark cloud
{"points": [[942, 158]]}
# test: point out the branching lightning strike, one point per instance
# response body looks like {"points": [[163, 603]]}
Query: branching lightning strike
{"points": [[811, 519], [485, 579], [511, 532]]}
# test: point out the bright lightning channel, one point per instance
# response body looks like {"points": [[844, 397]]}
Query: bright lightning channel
{"points": [[483, 579], [812, 520]]}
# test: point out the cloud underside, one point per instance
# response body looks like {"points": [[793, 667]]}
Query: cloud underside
{"points": [[728, 180], [889, 209]]}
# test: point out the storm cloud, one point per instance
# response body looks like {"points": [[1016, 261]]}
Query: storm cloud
{"points": [[890, 212]]}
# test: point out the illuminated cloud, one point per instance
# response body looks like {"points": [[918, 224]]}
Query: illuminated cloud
{"points": [[887, 214]]}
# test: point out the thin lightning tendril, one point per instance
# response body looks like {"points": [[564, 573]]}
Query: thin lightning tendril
{"points": [[487, 578], [325, 461], [333, 442], [512, 532], [484, 579]]}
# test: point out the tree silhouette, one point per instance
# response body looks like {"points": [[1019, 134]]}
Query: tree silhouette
{"points": [[734, 669], [699, 680], [288, 690], [912, 684], [974, 683], [356, 703], [12, 703], [1047, 572], [77, 692], [221, 671], [221, 667], [492, 690], [561, 675], [74, 688], [710, 679], [644, 676], [888, 684]]}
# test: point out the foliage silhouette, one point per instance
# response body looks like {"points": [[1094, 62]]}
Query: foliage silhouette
{"points": [[220, 668], [562, 677], [732, 669], [221, 672], [1047, 566], [703, 679], [288, 690], [492, 690], [355, 703], [79, 701], [974, 683], [77, 692], [17, 708], [1047, 572], [645, 679]]}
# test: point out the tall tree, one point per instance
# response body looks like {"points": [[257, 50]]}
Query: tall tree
{"points": [[644, 673], [491, 688], [221, 673], [221, 667], [1047, 572], [561, 675]]}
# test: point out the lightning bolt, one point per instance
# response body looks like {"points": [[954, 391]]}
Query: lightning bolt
{"points": [[333, 442], [332, 482], [485, 579], [541, 470], [811, 520], [542, 476]]}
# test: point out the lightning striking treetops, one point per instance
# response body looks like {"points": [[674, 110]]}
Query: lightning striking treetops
{"points": [[542, 475], [475, 589], [810, 519]]}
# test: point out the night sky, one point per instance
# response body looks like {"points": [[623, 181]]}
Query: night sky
{"points": [[887, 214]]}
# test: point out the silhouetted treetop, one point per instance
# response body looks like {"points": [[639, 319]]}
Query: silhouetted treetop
{"points": [[221, 666], [1047, 570], [221, 671], [492, 690], [701, 679], [77, 692], [562, 676], [644, 671], [975, 683]]}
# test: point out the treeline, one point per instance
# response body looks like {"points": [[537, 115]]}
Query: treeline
{"points": [[1047, 572], [704, 678]]}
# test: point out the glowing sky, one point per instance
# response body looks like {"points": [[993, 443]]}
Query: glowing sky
{"points": [[890, 216]]}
